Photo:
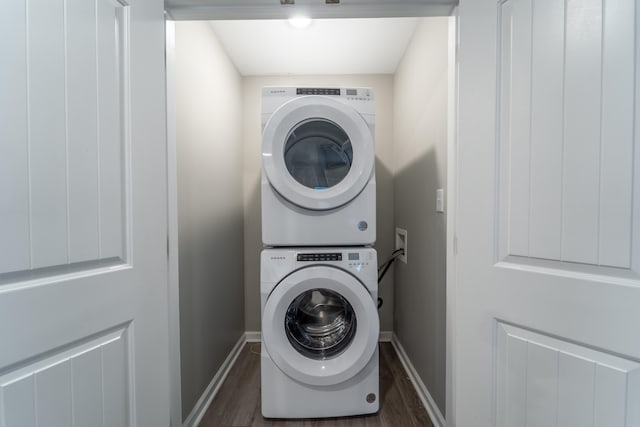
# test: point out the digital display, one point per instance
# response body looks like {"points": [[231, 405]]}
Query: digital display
{"points": [[352, 92], [354, 256], [316, 91]]}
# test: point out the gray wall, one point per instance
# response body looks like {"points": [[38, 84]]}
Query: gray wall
{"points": [[383, 90], [420, 150], [210, 206]]}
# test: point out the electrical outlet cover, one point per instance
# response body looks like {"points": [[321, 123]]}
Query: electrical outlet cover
{"points": [[401, 243]]}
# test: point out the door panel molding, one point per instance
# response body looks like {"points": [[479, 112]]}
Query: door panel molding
{"points": [[82, 381], [65, 159], [541, 379], [565, 140]]}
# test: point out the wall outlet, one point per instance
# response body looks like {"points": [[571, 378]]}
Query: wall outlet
{"points": [[401, 243]]}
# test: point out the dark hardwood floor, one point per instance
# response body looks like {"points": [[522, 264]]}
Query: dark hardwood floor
{"points": [[238, 401]]}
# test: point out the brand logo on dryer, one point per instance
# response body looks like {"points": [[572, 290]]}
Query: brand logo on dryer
{"points": [[278, 257]]}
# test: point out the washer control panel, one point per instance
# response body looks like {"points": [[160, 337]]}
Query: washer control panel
{"points": [[323, 256], [359, 260], [356, 260]]}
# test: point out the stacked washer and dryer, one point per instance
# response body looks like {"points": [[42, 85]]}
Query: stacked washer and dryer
{"points": [[319, 281]]}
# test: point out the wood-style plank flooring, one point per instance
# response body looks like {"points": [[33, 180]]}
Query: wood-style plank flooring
{"points": [[238, 401]]}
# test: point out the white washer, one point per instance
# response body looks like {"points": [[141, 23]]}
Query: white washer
{"points": [[318, 166], [320, 330]]}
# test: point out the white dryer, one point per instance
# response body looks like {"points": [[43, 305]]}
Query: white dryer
{"points": [[320, 330], [318, 166]]}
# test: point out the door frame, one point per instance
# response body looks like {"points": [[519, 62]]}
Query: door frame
{"points": [[175, 380], [451, 204], [379, 10]]}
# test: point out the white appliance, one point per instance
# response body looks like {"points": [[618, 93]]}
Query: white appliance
{"points": [[320, 332], [318, 166]]}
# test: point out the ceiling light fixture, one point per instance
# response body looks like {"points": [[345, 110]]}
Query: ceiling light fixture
{"points": [[300, 21]]}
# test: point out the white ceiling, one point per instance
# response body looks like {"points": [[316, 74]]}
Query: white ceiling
{"points": [[327, 46]]}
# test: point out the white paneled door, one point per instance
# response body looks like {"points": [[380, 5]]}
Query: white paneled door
{"points": [[83, 238], [548, 216]]}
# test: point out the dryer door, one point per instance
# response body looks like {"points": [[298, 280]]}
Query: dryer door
{"points": [[317, 153], [320, 325]]}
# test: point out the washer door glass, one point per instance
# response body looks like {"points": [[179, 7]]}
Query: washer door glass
{"points": [[318, 153], [320, 324]]}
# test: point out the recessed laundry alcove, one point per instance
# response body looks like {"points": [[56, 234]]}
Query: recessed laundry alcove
{"points": [[216, 72]]}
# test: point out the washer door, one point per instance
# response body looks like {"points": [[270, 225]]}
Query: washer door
{"points": [[317, 152], [320, 325]]}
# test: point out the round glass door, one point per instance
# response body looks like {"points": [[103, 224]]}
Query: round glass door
{"points": [[318, 154], [320, 324]]}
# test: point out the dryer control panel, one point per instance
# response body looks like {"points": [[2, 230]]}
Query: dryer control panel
{"points": [[317, 91], [362, 99]]}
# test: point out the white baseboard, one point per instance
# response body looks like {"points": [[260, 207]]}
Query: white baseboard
{"points": [[210, 392], [425, 397], [385, 336], [253, 336]]}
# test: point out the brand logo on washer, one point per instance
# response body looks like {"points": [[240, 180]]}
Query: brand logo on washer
{"points": [[362, 225], [278, 257]]}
